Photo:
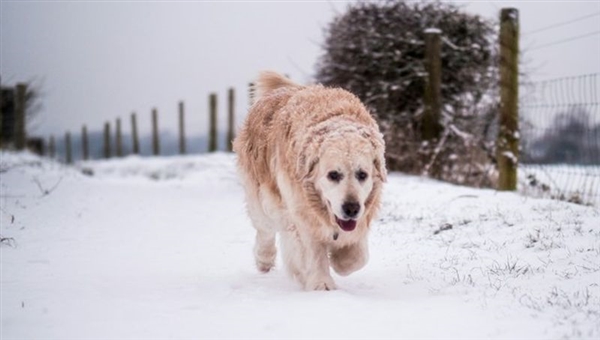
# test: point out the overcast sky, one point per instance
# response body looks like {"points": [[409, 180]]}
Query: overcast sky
{"points": [[98, 60]]}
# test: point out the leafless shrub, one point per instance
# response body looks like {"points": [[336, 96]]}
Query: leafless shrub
{"points": [[376, 51]]}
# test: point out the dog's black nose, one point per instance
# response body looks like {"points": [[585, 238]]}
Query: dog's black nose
{"points": [[351, 209]]}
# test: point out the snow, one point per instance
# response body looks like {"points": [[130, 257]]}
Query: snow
{"points": [[162, 248], [511, 156], [452, 45], [433, 30]]}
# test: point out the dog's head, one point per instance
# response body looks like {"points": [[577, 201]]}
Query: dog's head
{"points": [[346, 168]]}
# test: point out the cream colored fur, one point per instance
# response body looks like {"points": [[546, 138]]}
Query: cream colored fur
{"points": [[293, 139]]}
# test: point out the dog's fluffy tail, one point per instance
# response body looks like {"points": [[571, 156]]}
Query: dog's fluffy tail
{"points": [[269, 81]]}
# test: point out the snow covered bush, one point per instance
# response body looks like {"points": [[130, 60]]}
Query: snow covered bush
{"points": [[376, 50]]}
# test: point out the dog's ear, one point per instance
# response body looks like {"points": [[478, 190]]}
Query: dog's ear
{"points": [[308, 159], [380, 170], [379, 161], [306, 166]]}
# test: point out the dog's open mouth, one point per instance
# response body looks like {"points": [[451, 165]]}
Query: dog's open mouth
{"points": [[348, 225]]}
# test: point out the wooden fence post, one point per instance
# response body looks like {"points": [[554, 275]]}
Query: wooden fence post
{"points": [[84, 144], [231, 120], [68, 153], [119, 140], [181, 129], [134, 134], [20, 122], [2, 113], [250, 94], [431, 126], [507, 145], [51, 147], [212, 134], [107, 148], [155, 138]]}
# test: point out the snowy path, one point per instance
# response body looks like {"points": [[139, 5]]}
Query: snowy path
{"points": [[161, 248]]}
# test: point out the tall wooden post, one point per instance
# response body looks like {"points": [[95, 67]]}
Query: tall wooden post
{"points": [[107, 148], [181, 129], [507, 147], [51, 147], [84, 144], [1, 112], [250, 94], [68, 153], [20, 122], [231, 120], [212, 135], [134, 135], [431, 126], [119, 140], [155, 140]]}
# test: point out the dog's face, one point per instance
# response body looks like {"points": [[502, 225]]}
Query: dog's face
{"points": [[345, 176]]}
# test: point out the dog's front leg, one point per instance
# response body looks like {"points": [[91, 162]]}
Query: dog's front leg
{"points": [[317, 267]]}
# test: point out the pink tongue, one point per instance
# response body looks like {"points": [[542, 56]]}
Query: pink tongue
{"points": [[346, 225]]}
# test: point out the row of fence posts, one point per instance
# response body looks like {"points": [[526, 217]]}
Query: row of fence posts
{"points": [[507, 144], [508, 136], [118, 148]]}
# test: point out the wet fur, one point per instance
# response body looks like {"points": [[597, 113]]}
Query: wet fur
{"points": [[292, 133]]}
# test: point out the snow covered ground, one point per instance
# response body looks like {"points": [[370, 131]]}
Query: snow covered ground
{"points": [[161, 248]]}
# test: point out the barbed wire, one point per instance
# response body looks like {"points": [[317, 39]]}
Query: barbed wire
{"points": [[562, 41], [563, 23]]}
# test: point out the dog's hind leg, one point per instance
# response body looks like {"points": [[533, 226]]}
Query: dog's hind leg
{"points": [[265, 250]]}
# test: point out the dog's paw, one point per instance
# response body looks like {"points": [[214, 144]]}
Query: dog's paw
{"points": [[326, 284], [265, 266], [348, 259], [264, 257]]}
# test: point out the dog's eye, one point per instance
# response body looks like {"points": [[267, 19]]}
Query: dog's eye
{"points": [[334, 176], [361, 175]]}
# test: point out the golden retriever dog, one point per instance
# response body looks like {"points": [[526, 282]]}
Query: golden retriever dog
{"points": [[312, 164]]}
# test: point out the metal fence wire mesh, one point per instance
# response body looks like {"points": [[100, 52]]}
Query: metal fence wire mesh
{"points": [[560, 139]]}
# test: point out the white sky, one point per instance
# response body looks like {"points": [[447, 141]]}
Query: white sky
{"points": [[99, 60]]}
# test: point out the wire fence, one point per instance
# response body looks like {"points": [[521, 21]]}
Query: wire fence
{"points": [[560, 139]]}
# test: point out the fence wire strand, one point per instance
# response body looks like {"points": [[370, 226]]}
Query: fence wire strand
{"points": [[560, 139]]}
